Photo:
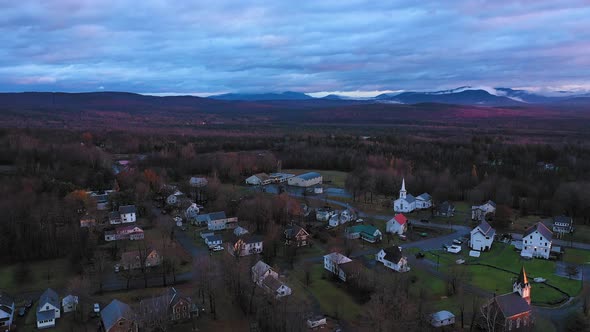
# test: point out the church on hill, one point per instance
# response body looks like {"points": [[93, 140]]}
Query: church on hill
{"points": [[512, 311], [407, 202]]}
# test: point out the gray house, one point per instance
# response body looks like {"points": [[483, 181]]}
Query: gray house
{"points": [[48, 309]]}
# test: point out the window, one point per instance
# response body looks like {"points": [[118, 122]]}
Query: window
{"points": [[518, 323], [509, 325]]}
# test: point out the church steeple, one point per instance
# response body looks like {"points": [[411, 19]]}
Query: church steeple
{"points": [[522, 286], [402, 192]]}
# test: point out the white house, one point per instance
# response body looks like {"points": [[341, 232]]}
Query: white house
{"points": [[7, 309], [247, 245], [128, 213], [280, 177], [393, 258], [48, 309], [217, 221], [408, 203], [397, 225], [305, 180], [69, 303], [442, 318], [341, 218], [316, 321], [339, 264], [479, 212], [192, 212], [482, 237], [258, 179], [198, 182], [175, 198], [323, 214], [563, 225], [536, 241]]}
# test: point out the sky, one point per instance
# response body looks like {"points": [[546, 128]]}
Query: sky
{"points": [[355, 48]]}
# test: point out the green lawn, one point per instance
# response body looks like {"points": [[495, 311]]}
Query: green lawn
{"points": [[334, 300], [576, 256], [42, 274], [330, 178], [434, 287]]}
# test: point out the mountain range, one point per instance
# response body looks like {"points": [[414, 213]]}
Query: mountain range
{"points": [[464, 95]]}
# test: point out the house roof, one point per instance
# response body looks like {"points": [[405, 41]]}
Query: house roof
{"points": [[113, 312], [424, 197], [114, 215], [252, 239], [486, 229], [45, 315], [409, 198], [262, 176], [214, 238], [70, 299], [393, 254], [338, 258], [512, 304], [127, 209], [491, 203], [240, 230], [217, 215], [563, 220], [127, 228], [128, 256], [260, 268], [202, 217], [400, 218], [293, 230], [350, 267], [272, 283], [309, 175], [48, 296], [367, 229], [442, 315], [5, 299], [541, 228]]}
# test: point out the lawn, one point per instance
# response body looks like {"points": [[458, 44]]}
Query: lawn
{"points": [[332, 297], [42, 274], [330, 178], [576, 256]]}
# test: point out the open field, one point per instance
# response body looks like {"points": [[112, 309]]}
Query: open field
{"points": [[53, 273], [333, 299]]}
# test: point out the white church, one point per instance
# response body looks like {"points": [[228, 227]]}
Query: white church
{"points": [[408, 203]]}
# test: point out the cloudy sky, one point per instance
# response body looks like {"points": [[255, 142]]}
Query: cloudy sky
{"points": [[359, 47]]}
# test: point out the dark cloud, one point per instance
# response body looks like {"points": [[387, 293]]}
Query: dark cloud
{"points": [[329, 45]]}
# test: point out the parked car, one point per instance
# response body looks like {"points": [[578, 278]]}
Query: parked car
{"points": [[460, 261], [96, 308], [403, 237], [420, 255], [360, 220], [22, 311], [117, 268], [539, 280], [456, 241], [217, 248], [445, 246]]}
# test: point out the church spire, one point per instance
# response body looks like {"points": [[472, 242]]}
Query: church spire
{"points": [[522, 286], [402, 192]]}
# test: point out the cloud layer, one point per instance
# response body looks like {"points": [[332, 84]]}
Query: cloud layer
{"points": [[159, 46]]}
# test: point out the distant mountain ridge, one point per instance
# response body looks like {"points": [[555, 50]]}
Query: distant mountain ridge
{"points": [[287, 95]]}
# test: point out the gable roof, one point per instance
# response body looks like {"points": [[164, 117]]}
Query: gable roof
{"points": [[409, 198], [367, 229], [272, 283], [486, 229], [45, 315], [541, 228], [350, 267], [262, 176], [214, 238], [127, 209], [424, 197], [128, 228], [113, 312], [48, 296], [6, 300], [491, 203], [563, 220], [293, 230], [309, 175], [260, 268], [337, 258], [400, 218], [252, 238], [511, 304], [217, 215], [442, 315], [393, 254]]}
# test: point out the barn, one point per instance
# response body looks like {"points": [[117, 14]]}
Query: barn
{"points": [[305, 180]]}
